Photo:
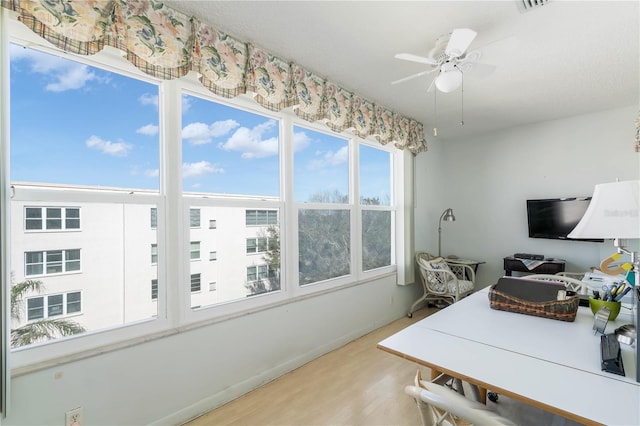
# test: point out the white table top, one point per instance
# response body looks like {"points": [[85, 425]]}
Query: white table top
{"points": [[551, 364]]}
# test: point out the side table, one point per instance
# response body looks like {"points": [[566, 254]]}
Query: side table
{"points": [[512, 264]]}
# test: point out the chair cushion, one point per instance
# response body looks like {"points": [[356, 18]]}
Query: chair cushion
{"points": [[464, 286], [438, 263]]}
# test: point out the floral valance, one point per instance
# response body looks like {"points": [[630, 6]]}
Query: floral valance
{"points": [[167, 44]]}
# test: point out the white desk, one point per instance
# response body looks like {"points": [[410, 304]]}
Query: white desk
{"points": [[554, 365]]}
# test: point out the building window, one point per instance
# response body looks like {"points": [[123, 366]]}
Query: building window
{"points": [[194, 218], [51, 218], [154, 289], [73, 302], [260, 272], [212, 286], [35, 308], [261, 217], [154, 217], [154, 254], [194, 250], [195, 283], [51, 262], [213, 255], [54, 305], [260, 244], [213, 224]]}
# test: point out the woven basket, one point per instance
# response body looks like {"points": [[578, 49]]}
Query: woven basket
{"points": [[563, 310]]}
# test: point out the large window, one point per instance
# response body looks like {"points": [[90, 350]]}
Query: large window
{"points": [[231, 159], [324, 215], [376, 168], [84, 157], [220, 216]]}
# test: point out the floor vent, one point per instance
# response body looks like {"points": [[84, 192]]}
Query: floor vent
{"points": [[533, 4]]}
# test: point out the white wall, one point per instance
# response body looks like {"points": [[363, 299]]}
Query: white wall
{"points": [[170, 380], [486, 181]]}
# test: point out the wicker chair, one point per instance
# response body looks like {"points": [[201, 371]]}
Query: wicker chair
{"points": [[442, 281]]}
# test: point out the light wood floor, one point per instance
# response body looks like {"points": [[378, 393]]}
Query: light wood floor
{"points": [[356, 384]]}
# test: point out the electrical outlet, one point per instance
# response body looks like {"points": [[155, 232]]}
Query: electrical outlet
{"points": [[73, 417]]}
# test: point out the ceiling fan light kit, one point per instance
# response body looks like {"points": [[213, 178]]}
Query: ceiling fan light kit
{"points": [[449, 79]]}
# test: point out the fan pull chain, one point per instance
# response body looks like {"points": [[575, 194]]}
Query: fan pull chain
{"points": [[462, 100], [435, 114]]}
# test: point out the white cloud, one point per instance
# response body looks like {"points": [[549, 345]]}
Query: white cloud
{"points": [[300, 141], [200, 168], [250, 142], [152, 173], [72, 78], [330, 159], [149, 99], [200, 133], [64, 74], [149, 130], [117, 149]]}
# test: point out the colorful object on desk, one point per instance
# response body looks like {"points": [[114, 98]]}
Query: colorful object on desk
{"points": [[596, 304], [619, 295], [631, 278], [612, 292], [621, 269]]}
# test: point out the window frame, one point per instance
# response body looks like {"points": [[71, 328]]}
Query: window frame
{"points": [[169, 201]]}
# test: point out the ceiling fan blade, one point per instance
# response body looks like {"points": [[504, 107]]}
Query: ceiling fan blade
{"points": [[496, 50], [411, 77], [416, 58], [476, 69], [459, 42]]}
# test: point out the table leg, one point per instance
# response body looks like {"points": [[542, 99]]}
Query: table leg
{"points": [[482, 392]]}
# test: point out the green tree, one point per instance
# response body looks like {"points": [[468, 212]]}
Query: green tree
{"points": [[272, 259], [36, 331]]}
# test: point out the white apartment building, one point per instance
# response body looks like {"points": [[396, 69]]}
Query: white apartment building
{"points": [[99, 261]]}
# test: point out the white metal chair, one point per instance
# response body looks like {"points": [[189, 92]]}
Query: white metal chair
{"points": [[439, 405], [442, 281]]}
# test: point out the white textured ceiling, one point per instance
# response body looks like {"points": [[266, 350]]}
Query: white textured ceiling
{"points": [[573, 57]]}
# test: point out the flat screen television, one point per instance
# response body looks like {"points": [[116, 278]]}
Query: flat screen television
{"points": [[555, 218]]}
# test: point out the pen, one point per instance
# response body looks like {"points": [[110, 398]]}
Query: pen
{"points": [[621, 295]]}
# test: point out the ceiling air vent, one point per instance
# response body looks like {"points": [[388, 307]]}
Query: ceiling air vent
{"points": [[528, 5]]}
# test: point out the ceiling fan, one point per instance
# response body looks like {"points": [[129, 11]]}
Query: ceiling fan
{"points": [[450, 58]]}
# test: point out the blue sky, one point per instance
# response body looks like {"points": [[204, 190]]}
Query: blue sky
{"points": [[75, 124]]}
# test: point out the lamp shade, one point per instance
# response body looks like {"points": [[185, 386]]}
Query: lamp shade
{"points": [[614, 212]]}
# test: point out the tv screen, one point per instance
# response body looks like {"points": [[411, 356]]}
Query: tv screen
{"points": [[555, 218]]}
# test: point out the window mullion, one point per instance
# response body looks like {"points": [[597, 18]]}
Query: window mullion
{"points": [[171, 234]]}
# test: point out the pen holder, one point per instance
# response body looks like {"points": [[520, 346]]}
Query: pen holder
{"points": [[596, 304]]}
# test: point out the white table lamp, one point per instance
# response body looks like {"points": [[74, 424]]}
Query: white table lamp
{"points": [[614, 213]]}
